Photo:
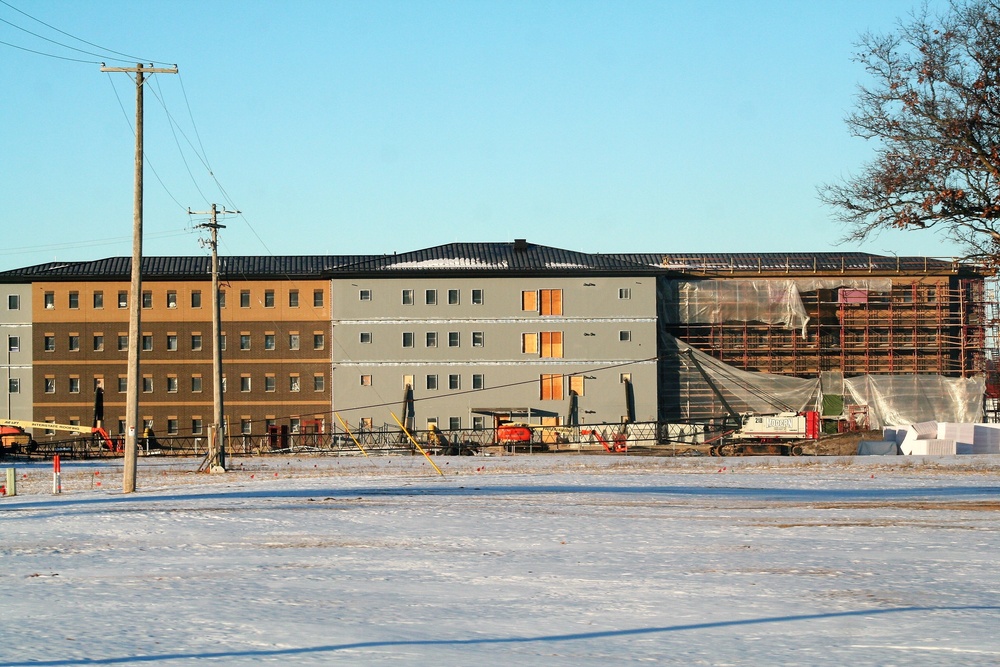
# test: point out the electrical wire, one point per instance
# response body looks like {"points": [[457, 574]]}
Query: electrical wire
{"points": [[49, 55]]}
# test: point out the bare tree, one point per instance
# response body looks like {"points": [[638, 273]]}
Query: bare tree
{"points": [[933, 107]]}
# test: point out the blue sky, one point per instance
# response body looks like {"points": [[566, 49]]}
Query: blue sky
{"points": [[376, 127]]}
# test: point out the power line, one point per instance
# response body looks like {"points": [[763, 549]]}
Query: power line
{"points": [[49, 55]]}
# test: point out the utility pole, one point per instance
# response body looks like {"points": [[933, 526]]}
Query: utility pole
{"points": [[135, 294], [216, 461]]}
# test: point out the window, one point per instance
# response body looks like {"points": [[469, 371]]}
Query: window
{"points": [[74, 300], [576, 385], [196, 384], [147, 300], [478, 381], [50, 343], [432, 381], [317, 298], [172, 342], [293, 341], [293, 424], [477, 297], [244, 298], [224, 383], [366, 380], [196, 299], [432, 421], [122, 342], [13, 302], [244, 383], [407, 297], [293, 383], [50, 431], [147, 384], [49, 299], [98, 342], [222, 298], [552, 346], [196, 341], [268, 383], [196, 426], [122, 384], [244, 341], [123, 299], [293, 298], [171, 299], [454, 423], [245, 425], [624, 336], [551, 387], [551, 302], [365, 424], [365, 295], [529, 343], [454, 381], [477, 338], [74, 385], [407, 382], [624, 377], [365, 337], [453, 339], [98, 300], [454, 297], [13, 343], [50, 385], [431, 297], [478, 423], [407, 339], [319, 382], [74, 342], [222, 341], [171, 384], [172, 426], [529, 300], [624, 293], [319, 341], [98, 382], [14, 386], [269, 298], [269, 341], [147, 342], [431, 339]]}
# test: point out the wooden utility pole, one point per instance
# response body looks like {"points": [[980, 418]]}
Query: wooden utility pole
{"points": [[216, 461], [132, 424]]}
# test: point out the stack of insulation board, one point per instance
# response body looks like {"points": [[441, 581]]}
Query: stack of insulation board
{"points": [[945, 438]]}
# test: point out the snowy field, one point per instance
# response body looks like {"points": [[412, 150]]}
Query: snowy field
{"points": [[543, 560]]}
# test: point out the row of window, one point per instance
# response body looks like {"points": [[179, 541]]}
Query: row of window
{"points": [[171, 342], [73, 299], [171, 383]]}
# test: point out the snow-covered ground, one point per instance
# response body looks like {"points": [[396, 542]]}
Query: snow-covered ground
{"points": [[542, 560]]}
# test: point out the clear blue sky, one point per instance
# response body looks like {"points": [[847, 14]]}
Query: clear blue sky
{"points": [[374, 127]]}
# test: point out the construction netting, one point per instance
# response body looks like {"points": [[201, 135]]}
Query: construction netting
{"points": [[889, 399]]}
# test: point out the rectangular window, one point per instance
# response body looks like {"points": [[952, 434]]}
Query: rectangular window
{"points": [[365, 337], [478, 338], [293, 383], [407, 297], [171, 299], [49, 343], [196, 341], [551, 302], [98, 342], [293, 298], [319, 382], [172, 426], [478, 423], [576, 385], [431, 297], [407, 339], [123, 299], [147, 342], [431, 339], [13, 302], [122, 384], [529, 343], [477, 297], [244, 298], [98, 299], [432, 382], [624, 377], [453, 339], [172, 342], [478, 381], [366, 380], [269, 341], [454, 297], [147, 384], [317, 298], [365, 295], [454, 381], [269, 298], [624, 293], [196, 426], [147, 300], [13, 343], [14, 386], [552, 344], [222, 341], [319, 341], [624, 336], [529, 300], [49, 299], [454, 423], [407, 382], [551, 387], [196, 384], [293, 341], [222, 298], [122, 342], [245, 425], [244, 383], [172, 384], [74, 300], [196, 299], [74, 342], [269, 383], [244, 341], [74, 385]]}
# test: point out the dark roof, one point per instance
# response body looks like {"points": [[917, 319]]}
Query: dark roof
{"points": [[799, 262]]}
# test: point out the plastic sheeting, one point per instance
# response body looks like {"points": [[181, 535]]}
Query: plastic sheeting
{"points": [[909, 399]]}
